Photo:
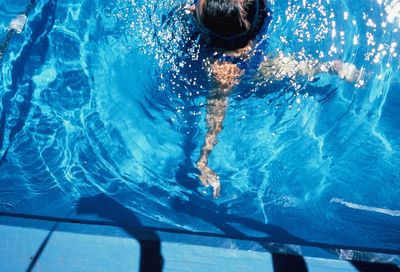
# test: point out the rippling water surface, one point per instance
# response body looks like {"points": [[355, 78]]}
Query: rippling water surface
{"points": [[100, 97]]}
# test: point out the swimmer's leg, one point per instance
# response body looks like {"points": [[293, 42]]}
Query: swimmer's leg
{"points": [[216, 109]]}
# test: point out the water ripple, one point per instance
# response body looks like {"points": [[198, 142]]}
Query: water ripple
{"points": [[110, 97]]}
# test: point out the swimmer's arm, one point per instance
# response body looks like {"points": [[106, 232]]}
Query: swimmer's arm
{"points": [[225, 76], [286, 67]]}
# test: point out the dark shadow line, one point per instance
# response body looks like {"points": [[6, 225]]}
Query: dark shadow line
{"points": [[41, 248], [103, 206], [145, 229], [42, 27], [150, 256]]}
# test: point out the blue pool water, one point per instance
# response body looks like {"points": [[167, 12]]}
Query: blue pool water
{"points": [[100, 97]]}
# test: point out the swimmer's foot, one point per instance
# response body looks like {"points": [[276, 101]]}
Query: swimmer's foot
{"points": [[209, 178]]}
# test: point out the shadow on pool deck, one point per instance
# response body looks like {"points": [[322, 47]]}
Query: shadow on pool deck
{"points": [[150, 245], [107, 208], [281, 262], [150, 254], [290, 261], [374, 267]]}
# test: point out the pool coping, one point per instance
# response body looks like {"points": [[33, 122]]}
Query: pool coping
{"points": [[254, 244]]}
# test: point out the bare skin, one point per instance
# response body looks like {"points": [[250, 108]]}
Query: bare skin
{"points": [[282, 67], [226, 75]]}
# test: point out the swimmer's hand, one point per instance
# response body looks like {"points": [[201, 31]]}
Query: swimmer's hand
{"points": [[209, 178], [348, 71], [18, 23], [189, 9], [282, 66]]}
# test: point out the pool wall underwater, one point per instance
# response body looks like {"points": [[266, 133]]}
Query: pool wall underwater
{"points": [[102, 123]]}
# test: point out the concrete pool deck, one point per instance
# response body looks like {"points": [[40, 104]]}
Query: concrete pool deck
{"points": [[29, 244]]}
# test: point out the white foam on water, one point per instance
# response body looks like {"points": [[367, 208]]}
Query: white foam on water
{"points": [[366, 208]]}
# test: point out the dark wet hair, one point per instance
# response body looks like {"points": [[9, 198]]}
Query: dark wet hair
{"points": [[231, 24]]}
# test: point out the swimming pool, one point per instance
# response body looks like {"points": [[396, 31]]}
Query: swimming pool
{"points": [[109, 98]]}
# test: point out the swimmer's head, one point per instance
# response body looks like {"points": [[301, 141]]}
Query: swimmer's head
{"points": [[230, 24]]}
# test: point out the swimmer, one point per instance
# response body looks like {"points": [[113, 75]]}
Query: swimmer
{"points": [[229, 27]]}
